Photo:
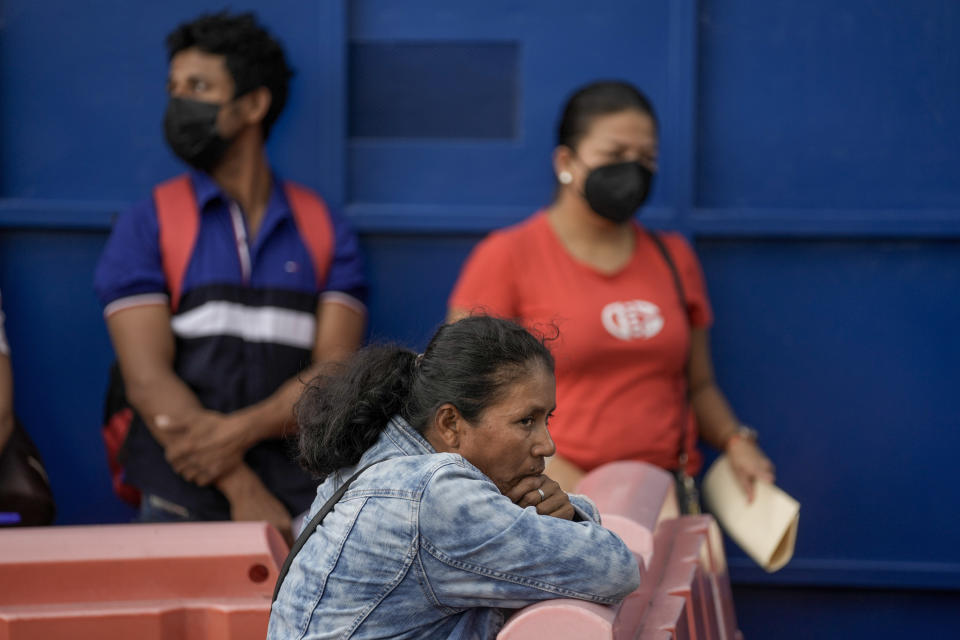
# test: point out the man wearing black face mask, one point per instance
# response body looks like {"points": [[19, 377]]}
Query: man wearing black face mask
{"points": [[221, 288]]}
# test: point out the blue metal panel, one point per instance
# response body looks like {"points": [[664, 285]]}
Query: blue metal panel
{"points": [[784, 123], [84, 94], [620, 39], [844, 356], [324, 75], [842, 614], [411, 277], [60, 354], [829, 104], [822, 222], [423, 89]]}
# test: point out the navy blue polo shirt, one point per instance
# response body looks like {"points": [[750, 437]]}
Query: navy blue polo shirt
{"points": [[245, 324]]}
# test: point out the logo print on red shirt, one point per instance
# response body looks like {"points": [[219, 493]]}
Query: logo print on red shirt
{"points": [[632, 320]]}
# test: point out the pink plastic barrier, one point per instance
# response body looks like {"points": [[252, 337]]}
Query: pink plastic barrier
{"points": [[685, 575], [567, 618], [685, 590], [191, 581], [717, 578], [559, 619], [632, 498], [667, 620]]}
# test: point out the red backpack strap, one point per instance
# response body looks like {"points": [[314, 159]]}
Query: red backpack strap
{"points": [[179, 220], [316, 229]]}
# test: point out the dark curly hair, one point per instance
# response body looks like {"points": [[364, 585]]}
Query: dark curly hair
{"points": [[254, 58], [467, 363]]}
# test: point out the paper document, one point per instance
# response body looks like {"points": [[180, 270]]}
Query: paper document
{"points": [[765, 529]]}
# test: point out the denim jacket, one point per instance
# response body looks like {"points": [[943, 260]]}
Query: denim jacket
{"points": [[424, 545]]}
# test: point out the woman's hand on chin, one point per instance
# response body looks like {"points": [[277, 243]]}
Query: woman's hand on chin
{"points": [[543, 493]]}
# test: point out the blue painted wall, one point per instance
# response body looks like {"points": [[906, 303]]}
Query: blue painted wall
{"points": [[808, 147]]}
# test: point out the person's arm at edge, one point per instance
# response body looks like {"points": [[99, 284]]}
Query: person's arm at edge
{"points": [[717, 424], [6, 400]]}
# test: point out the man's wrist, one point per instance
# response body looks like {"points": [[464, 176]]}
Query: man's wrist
{"points": [[238, 483], [254, 424], [245, 427]]}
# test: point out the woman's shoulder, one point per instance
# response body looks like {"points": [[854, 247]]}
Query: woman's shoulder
{"points": [[412, 474], [676, 244], [436, 474], [519, 233]]}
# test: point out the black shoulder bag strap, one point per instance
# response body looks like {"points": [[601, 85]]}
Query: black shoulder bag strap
{"points": [[312, 526], [677, 282], [690, 500]]}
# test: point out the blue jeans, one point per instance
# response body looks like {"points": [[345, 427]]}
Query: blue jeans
{"points": [[153, 508]]}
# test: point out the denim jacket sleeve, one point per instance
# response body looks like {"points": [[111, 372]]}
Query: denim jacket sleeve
{"points": [[584, 507], [478, 549]]}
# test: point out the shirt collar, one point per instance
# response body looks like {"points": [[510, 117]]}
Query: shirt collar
{"points": [[206, 189]]}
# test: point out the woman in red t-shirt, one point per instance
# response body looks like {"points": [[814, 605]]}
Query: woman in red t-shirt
{"points": [[634, 375]]}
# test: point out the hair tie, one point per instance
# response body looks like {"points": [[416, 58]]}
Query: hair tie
{"points": [[418, 360]]}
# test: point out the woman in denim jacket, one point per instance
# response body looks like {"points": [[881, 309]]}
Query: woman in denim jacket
{"points": [[455, 520]]}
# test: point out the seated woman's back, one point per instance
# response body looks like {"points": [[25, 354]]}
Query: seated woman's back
{"points": [[427, 544]]}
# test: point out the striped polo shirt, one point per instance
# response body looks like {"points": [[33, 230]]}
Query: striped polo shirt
{"points": [[245, 323]]}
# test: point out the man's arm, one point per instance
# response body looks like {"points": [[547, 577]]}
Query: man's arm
{"points": [[6, 388], [145, 347], [6, 400], [144, 343]]}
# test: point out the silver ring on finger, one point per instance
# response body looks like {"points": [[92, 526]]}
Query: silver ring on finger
{"points": [[543, 496]]}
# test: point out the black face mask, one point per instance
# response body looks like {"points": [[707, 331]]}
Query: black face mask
{"points": [[190, 127], [616, 191]]}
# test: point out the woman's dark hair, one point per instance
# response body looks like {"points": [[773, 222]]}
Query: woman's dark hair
{"points": [[594, 100], [254, 59], [468, 364]]}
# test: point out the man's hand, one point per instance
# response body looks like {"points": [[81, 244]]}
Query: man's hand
{"points": [[202, 445], [251, 500], [749, 464], [544, 494]]}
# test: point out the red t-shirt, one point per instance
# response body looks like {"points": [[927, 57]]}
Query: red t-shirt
{"points": [[623, 343]]}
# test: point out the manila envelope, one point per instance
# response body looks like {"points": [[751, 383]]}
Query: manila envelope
{"points": [[765, 529]]}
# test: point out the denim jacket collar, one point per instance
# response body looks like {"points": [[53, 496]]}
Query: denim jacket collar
{"points": [[397, 439], [406, 438]]}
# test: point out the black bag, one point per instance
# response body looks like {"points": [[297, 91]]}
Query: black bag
{"points": [[25, 496]]}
